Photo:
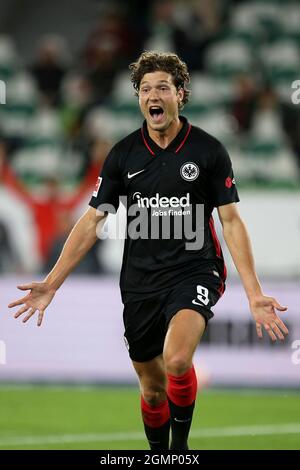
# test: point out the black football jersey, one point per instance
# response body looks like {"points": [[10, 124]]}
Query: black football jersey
{"points": [[193, 171]]}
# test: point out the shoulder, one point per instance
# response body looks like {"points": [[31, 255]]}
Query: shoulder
{"points": [[121, 149], [211, 147], [200, 136], [124, 145]]}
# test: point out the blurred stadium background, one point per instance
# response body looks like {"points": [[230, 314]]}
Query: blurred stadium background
{"points": [[68, 99]]}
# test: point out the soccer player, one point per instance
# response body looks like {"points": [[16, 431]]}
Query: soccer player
{"points": [[168, 288]]}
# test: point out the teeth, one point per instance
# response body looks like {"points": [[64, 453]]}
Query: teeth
{"points": [[156, 110]]}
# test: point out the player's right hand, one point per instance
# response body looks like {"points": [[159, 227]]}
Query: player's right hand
{"points": [[38, 299]]}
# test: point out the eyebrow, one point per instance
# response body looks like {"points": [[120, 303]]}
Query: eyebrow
{"points": [[159, 81]]}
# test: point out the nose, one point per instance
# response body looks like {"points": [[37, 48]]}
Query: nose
{"points": [[153, 95]]}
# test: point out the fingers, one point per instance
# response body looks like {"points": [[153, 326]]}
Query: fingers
{"points": [[23, 299], [270, 332], [277, 331], [26, 286], [17, 302], [40, 317], [278, 306], [281, 325], [21, 311], [259, 330], [29, 315]]}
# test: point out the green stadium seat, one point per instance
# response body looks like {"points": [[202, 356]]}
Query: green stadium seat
{"points": [[216, 122], [111, 122], [244, 24], [207, 93], [271, 162], [281, 55], [123, 93], [228, 58], [45, 125], [21, 103], [290, 21], [282, 66], [8, 58]]}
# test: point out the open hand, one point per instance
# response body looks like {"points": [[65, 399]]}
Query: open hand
{"points": [[38, 299], [263, 309]]}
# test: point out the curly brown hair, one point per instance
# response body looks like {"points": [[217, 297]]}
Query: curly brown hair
{"points": [[169, 62]]}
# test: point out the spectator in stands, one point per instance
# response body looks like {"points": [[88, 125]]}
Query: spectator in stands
{"points": [[107, 51], [17, 238], [49, 69], [46, 211], [291, 125], [243, 106], [188, 31], [267, 121], [195, 30], [77, 98], [161, 26]]}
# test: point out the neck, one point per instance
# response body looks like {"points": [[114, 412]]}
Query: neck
{"points": [[165, 137]]}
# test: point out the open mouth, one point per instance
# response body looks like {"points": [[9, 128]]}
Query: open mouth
{"points": [[156, 113]]}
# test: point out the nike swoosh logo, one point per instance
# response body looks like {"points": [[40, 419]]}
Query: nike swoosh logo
{"points": [[197, 303], [134, 174], [182, 420]]}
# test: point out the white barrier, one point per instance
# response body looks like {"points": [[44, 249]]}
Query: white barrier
{"points": [[81, 339], [273, 221]]}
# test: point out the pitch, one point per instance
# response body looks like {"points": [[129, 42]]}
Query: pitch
{"points": [[41, 417]]}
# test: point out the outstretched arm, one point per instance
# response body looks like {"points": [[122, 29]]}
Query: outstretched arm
{"points": [[263, 308], [81, 239]]}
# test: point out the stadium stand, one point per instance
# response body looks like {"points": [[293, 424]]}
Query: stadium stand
{"points": [[243, 55]]}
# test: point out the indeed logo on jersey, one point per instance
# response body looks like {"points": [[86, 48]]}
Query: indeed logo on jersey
{"points": [[163, 201]]}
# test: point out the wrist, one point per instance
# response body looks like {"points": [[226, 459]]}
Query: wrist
{"points": [[52, 284], [254, 293], [254, 296]]}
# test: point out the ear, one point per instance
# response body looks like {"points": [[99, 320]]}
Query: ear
{"points": [[180, 94]]}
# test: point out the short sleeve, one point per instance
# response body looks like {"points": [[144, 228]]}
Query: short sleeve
{"points": [[223, 183], [109, 185]]}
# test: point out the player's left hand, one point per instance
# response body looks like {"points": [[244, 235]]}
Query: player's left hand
{"points": [[263, 309]]}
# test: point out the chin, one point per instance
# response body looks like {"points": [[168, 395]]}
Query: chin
{"points": [[162, 126]]}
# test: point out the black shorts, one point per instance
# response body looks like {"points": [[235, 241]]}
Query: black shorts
{"points": [[146, 320]]}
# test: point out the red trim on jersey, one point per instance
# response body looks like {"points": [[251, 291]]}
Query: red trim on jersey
{"points": [[186, 136], [218, 253], [215, 238], [221, 288], [146, 143], [224, 275]]}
